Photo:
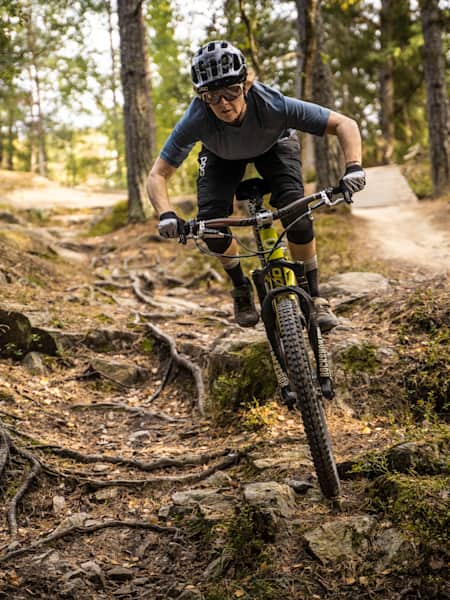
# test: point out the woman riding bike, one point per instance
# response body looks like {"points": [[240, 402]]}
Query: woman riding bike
{"points": [[240, 121]]}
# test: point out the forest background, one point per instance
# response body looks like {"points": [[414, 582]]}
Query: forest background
{"points": [[64, 65]]}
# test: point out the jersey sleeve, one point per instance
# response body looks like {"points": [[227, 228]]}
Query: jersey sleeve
{"points": [[182, 139], [306, 116]]}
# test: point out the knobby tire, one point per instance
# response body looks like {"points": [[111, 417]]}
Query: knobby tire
{"points": [[293, 348]]}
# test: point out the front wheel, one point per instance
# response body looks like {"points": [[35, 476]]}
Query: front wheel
{"points": [[295, 355]]}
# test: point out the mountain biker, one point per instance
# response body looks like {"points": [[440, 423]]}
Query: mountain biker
{"points": [[239, 121]]}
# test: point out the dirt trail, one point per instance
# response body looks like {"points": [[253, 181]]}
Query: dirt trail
{"points": [[399, 227], [71, 406]]}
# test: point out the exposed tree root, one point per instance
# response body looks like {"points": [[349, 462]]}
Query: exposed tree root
{"points": [[4, 450], [208, 274], [12, 510], [184, 362], [83, 530], [164, 380], [136, 411], [160, 463], [231, 460]]}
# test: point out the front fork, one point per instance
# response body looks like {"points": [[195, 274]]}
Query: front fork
{"points": [[314, 334]]}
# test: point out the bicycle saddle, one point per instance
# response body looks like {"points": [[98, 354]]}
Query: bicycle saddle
{"points": [[251, 188]]}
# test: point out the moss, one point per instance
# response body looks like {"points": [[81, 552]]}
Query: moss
{"points": [[147, 346], [418, 504], [426, 311], [360, 358], [427, 376], [114, 219], [252, 380], [247, 537]]}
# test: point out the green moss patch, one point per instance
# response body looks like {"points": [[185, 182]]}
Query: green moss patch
{"points": [[251, 378], [360, 358], [114, 219], [418, 504]]}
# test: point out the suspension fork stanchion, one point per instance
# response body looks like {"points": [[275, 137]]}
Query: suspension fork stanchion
{"points": [[260, 285], [258, 280]]}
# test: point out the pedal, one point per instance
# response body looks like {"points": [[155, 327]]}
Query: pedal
{"points": [[288, 398]]}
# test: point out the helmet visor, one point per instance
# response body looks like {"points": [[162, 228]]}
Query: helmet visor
{"points": [[230, 93]]}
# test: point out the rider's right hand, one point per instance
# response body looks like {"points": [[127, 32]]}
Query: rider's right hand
{"points": [[170, 225]]}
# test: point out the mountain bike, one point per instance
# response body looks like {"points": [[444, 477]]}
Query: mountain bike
{"points": [[297, 347]]}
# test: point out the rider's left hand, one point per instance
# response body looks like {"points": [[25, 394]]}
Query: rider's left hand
{"points": [[354, 178]]}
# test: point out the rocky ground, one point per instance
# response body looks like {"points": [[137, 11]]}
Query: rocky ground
{"points": [[128, 473]]}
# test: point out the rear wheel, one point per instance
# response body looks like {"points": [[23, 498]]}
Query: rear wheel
{"points": [[294, 352]]}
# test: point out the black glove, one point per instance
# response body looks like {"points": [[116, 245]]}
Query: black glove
{"points": [[170, 225], [354, 178]]}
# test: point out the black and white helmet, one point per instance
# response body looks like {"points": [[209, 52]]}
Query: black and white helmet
{"points": [[217, 64]]}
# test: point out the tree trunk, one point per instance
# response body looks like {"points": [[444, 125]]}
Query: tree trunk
{"points": [[251, 39], [387, 83], [327, 155], [10, 145], [307, 43], [437, 96], [306, 24], [138, 112], [116, 131]]}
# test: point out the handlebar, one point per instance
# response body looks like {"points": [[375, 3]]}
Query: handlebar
{"points": [[198, 228]]}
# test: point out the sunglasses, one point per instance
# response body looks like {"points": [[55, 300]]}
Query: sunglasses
{"points": [[232, 92]]}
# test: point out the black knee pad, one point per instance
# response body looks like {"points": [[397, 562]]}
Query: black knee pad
{"points": [[300, 233], [218, 245]]}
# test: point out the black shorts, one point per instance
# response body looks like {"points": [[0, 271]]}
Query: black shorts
{"points": [[218, 178]]}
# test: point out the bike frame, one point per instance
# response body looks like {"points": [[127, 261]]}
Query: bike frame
{"points": [[279, 276]]}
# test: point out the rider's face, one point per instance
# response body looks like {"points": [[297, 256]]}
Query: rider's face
{"points": [[229, 110], [228, 104]]}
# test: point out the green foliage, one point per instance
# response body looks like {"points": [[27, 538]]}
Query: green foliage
{"points": [[417, 504], [427, 379], [147, 346], [254, 379], [116, 218], [247, 536], [426, 311], [360, 358], [257, 417]]}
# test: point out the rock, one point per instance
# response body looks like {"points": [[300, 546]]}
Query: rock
{"points": [[391, 546], [138, 438], [123, 373], [341, 539], [94, 571], [286, 459], [33, 363], [44, 342], [299, 487], [272, 498], [76, 520], [106, 340], [424, 458], [351, 286], [120, 573], [100, 467], [3, 279], [107, 493], [211, 504], [15, 334], [100, 340], [239, 370], [59, 504]]}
